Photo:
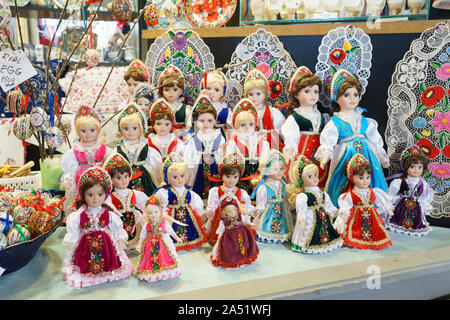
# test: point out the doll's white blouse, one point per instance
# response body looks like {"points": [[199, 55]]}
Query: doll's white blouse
{"points": [[141, 197], [425, 199], [196, 201], [301, 204], [214, 200], [261, 193], [251, 142], [330, 148], [163, 143], [192, 156], [73, 234]]}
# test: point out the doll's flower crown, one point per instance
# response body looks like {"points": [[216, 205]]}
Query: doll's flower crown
{"points": [[96, 174], [299, 73], [412, 150], [169, 69], [204, 82], [161, 105], [338, 79], [129, 110], [256, 74], [154, 200], [355, 161], [85, 111], [296, 170], [231, 158], [140, 67], [202, 102], [244, 105], [115, 160], [171, 159], [273, 156]]}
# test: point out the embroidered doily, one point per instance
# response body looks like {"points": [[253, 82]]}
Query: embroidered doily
{"points": [[267, 53], [185, 50], [419, 109], [347, 48]]}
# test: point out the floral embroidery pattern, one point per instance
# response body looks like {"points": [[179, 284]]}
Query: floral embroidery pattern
{"points": [[358, 146], [181, 215], [241, 244], [96, 263], [366, 224], [323, 231], [128, 223], [410, 204], [154, 239], [277, 224]]}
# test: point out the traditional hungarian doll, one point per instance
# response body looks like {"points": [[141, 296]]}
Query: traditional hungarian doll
{"points": [[95, 235], [304, 121], [246, 140], [273, 222], [269, 119], [230, 173], [347, 133], [88, 151], [216, 84], [130, 203], [412, 196], [161, 137], [203, 151], [236, 245], [159, 258], [171, 86], [313, 232], [359, 219], [136, 74], [183, 204], [146, 162]]}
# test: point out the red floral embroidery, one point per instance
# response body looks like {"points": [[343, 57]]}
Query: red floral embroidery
{"points": [[428, 148], [337, 56], [431, 96]]}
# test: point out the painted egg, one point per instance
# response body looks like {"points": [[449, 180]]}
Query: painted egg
{"points": [[3, 241], [21, 214], [6, 222], [18, 233], [121, 10], [151, 15], [92, 57], [39, 119], [15, 101], [22, 127], [39, 223], [5, 14], [54, 137], [52, 204]]}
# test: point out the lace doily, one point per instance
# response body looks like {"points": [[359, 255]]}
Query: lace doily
{"points": [[185, 50], [267, 53], [347, 48], [419, 109]]}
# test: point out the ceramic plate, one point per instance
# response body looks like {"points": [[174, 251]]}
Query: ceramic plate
{"points": [[209, 16]]}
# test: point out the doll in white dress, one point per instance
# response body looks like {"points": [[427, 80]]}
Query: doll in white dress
{"points": [[360, 208], [95, 236], [161, 137], [146, 162], [313, 232], [269, 119], [412, 196]]}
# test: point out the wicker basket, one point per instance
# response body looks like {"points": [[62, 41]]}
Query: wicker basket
{"points": [[26, 183]]}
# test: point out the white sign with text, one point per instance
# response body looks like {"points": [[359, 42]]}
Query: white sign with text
{"points": [[15, 68]]}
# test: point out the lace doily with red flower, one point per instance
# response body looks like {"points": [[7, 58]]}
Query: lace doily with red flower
{"points": [[346, 48], [185, 50], [266, 52], [419, 109]]}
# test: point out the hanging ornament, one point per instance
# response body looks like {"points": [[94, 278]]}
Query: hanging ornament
{"points": [[39, 119], [92, 57], [151, 15], [15, 101], [121, 10], [5, 15], [54, 137], [22, 127], [64, 125]]}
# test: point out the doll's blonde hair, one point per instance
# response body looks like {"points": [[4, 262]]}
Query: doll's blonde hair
{"points": [[242, 116], [215, 77], [255, 84], [294, 188], [132, 118], [181, 167], [86, 120]]}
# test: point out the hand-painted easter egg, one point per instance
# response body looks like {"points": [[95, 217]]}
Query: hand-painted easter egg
{"points": [[92, 57], [17, 234], [22, 128], [121, 10], [6, 222]]}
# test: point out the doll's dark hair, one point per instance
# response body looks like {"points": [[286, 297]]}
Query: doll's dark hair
{"points": [[86, 186], [229, 169], [351, 83], [119, 169], [159, 115], [135, 75], [358, 171], [205, 109], [414, 159], [309, 80], [171, 80]]}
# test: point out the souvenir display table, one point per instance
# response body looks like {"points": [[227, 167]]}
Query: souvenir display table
{"points": [[413, 268]]}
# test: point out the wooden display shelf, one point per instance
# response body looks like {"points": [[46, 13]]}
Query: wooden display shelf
{"points": [[384, 26]]}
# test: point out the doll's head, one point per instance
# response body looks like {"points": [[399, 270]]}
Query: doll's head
{"points": [[175, 170], [358, 172], [413, 161], [94, 186], [119, 170], [216, 85], [153, 209], [87, 124], [136, 74], [302, 173], [171, 83], [230, 208], [256, 87], [204, 113], [143, 96], [345, 90], [245, 117], [132, 122], [304, 89], [161, 117], [273, 165]]}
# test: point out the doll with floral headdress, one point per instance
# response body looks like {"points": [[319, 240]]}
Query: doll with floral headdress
{"points": [[236, 245], [216, 84], [412, 196], [146, 162], [349, 132], [360, 208], [136, 74], [313, 232], [231, 170], [95, 236], [273, 222], [130, 203], [304, 121], [159, 258], [269, 119], [203, 152], [170, 86], [183, 204], [88, 151], [246, 140], [161, 137]]}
